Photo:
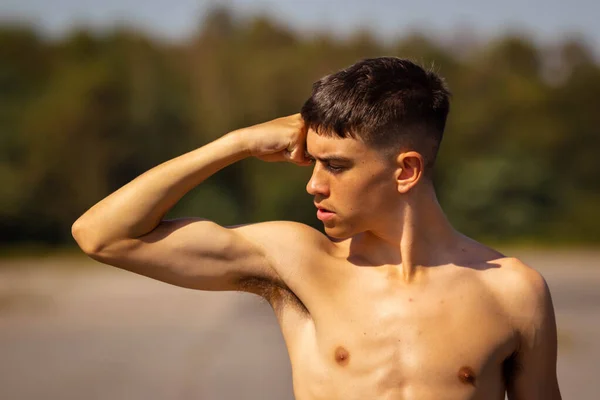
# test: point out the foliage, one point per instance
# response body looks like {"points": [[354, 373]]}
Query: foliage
{"points": [[83, 115]]}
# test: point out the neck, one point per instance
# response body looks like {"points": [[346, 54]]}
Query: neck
{"points": [[418, 235]]}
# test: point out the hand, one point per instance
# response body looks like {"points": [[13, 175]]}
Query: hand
{"points": [[282, 139]]}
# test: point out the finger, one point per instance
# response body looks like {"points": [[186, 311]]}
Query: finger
{"points": [[297, 154], [288, 155]]}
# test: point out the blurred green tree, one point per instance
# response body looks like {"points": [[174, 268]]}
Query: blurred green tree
{"points": [[83, 115]]}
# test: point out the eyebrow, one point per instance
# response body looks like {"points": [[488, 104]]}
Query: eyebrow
{"points": [[330, 158]]}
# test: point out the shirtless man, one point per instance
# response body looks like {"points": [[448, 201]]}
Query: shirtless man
{"points": [[392, 303]]}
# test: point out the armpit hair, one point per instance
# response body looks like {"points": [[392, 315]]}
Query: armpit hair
{"points": [[276, 294]]}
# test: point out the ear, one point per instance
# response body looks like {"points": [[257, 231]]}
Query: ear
{"points": [[410, 166]]}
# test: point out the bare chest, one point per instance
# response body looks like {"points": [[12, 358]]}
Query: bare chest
{"points": [[395, 342]]}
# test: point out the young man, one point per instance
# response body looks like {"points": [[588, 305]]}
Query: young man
{"points": [[392, 303]]}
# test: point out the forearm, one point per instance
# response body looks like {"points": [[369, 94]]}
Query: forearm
{"points": [[138, 207]]}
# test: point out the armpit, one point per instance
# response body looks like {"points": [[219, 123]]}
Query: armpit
{"points": [[278, 296], [511, 368]]}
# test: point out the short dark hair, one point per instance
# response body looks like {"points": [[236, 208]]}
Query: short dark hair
{"points": [[388, 102]]}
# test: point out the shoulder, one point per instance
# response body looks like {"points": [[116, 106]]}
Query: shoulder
{"points": [[532, 320], [521, 279], [286, 234], [522, 291], [297, 253], [289, 246]]}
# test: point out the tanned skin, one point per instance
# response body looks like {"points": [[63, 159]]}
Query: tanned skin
{"points": [[390, 303]]}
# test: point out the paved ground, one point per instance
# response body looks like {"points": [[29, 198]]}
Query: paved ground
{"points": [[71, 330]]}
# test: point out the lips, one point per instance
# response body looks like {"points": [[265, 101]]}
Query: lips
{"points": [[324, 209], [323, 213]]}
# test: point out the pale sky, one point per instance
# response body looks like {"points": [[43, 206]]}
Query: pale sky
{"points": [[546, 20]]}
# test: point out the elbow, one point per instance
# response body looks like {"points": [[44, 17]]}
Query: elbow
{"points": [[84, 238], [95, 244]]}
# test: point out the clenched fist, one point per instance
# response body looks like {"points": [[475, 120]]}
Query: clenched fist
{"points": [[282, 139]]}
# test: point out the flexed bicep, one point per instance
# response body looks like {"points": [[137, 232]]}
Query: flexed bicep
{"points": [[193, 253]]}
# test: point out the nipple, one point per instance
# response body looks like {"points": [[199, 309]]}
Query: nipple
{"points": [[342, 357], [466, 376]]}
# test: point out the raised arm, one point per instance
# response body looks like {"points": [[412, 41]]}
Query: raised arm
{"points": [[127, 230]]}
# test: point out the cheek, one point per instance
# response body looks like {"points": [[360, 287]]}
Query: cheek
{"points": [[369, 195]]}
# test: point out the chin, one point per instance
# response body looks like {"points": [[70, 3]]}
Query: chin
{"points": [[338, 233]]}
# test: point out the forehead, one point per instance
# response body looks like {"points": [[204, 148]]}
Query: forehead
{"points": [[320, 145]]}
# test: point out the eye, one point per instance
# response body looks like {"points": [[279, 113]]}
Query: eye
{"points": [[335, 168]]}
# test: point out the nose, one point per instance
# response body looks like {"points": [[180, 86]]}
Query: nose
{"points": [[317, 185]]}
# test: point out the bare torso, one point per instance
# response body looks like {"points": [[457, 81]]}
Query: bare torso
{"points": [[371, 335], [361, 317]]}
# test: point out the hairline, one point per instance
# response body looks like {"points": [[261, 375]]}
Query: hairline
{"points": [[385, 154]]}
